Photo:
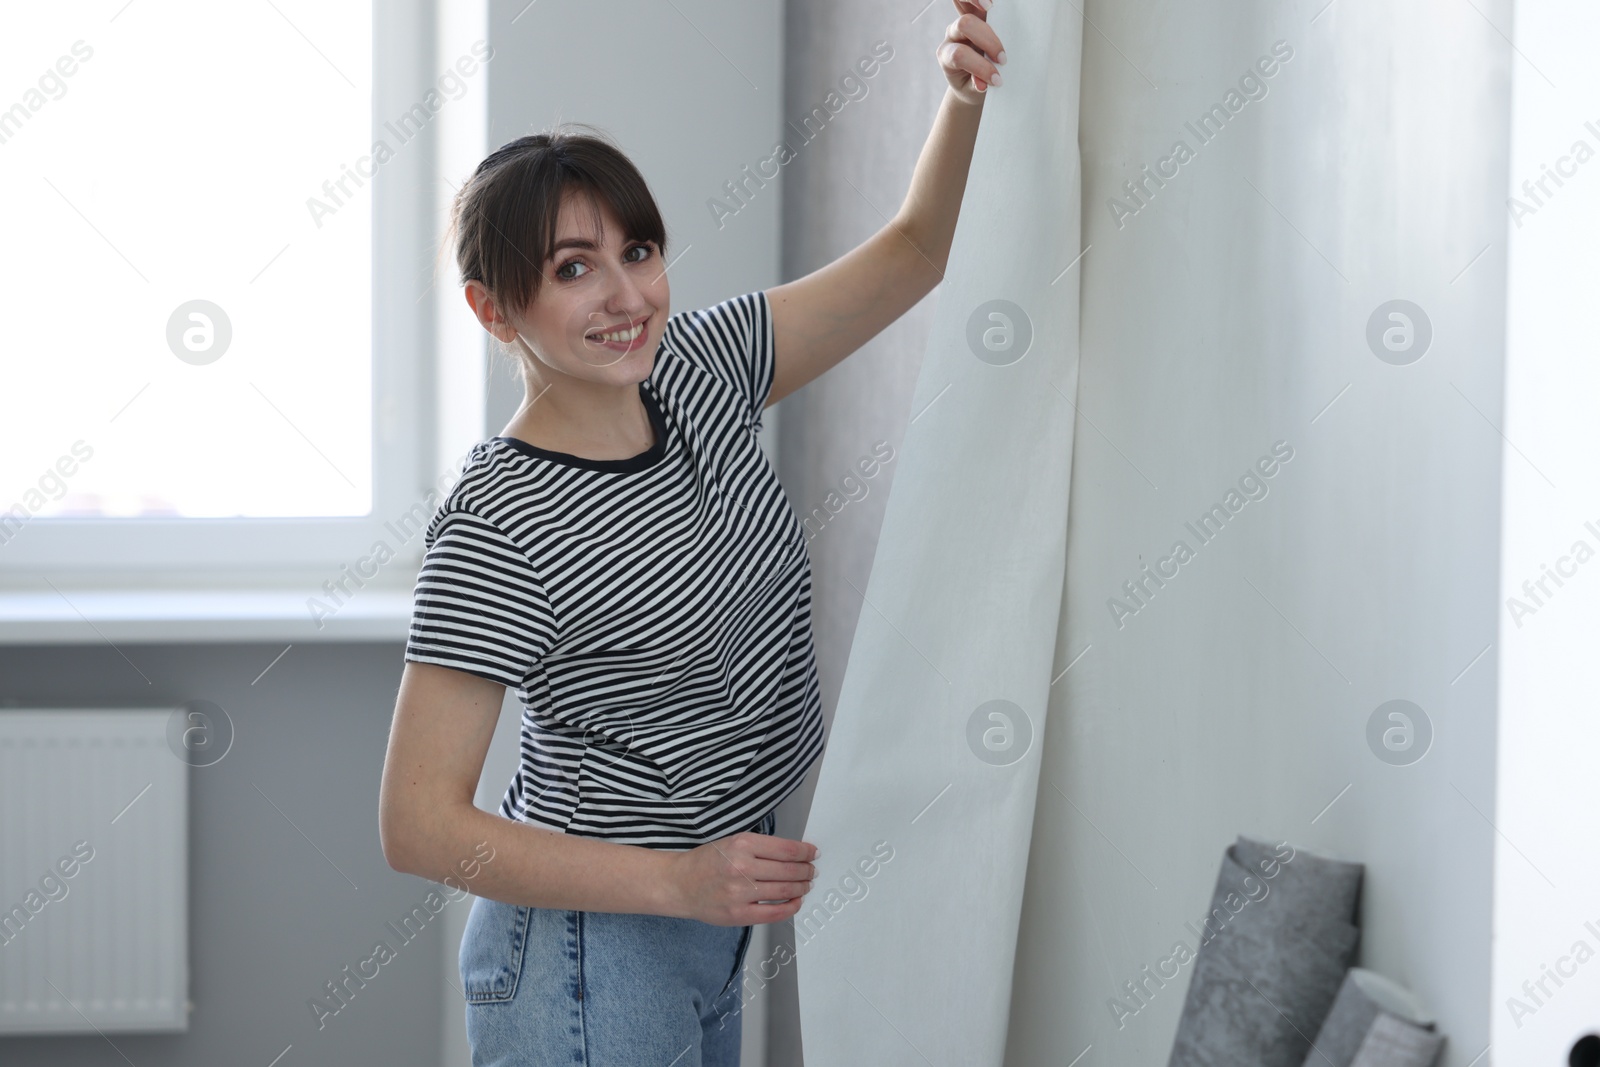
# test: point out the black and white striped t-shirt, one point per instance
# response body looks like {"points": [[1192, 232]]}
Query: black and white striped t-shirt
{"points": [[653, 613]]}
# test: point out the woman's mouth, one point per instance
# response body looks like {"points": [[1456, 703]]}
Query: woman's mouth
{"points": [[620, 339]]}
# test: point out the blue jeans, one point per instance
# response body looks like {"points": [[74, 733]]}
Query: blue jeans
{"points": [[601, 989]]}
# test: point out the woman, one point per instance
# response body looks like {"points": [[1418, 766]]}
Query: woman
{"points": [[623, 555]]}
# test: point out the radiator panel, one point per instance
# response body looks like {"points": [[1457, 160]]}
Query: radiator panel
{"points": [[100, 794]]}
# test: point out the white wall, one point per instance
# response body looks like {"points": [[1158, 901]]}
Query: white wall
{"points": [[1225, 316]]}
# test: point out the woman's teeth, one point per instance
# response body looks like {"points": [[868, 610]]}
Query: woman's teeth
{"points": [[620, 336]]}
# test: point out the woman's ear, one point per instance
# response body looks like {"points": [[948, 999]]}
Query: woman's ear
{"points": [[483, 306]]}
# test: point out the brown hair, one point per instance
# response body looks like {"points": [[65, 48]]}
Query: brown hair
{"points": [[503, 219]]}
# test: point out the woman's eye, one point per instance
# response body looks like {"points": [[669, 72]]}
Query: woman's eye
{"points": [[560, 271]]}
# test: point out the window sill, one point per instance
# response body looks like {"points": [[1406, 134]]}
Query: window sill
{"points": [[61, 613]]}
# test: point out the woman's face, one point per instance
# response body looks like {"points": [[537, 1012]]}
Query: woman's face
{"points": [[602, 305]]}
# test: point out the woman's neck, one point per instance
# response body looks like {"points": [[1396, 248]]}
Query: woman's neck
{"points": [[585, 419]]}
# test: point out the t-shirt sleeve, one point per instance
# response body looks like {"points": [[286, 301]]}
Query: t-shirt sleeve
{"points": [[733, 341], [478, 605]]}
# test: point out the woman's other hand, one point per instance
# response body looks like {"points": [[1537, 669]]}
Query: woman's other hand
{"points": [[723, 882]]}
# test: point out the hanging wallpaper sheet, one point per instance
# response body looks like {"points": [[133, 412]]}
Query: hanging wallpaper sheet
{"points": [[924, 807]]}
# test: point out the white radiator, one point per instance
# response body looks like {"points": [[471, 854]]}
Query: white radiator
{"points": [[94, 861]]}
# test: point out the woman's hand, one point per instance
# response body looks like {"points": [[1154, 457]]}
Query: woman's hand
{"points": [[970, 54], [722, 881]]}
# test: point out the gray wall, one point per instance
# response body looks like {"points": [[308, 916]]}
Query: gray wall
{"points": [[271, 919]]}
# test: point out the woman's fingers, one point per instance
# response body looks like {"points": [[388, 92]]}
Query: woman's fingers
{"points": [[976, 31], [770, 868], [772, 847], [781, 890], [781, 859], [782, 871], [972, 46], [963, 57]]}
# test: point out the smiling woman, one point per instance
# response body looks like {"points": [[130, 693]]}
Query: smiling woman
{"points": [[623, 555]]}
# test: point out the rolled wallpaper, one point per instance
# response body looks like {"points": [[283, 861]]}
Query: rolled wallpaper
{"points": [[924, 806], [1374, 1023], [1279, 938]]}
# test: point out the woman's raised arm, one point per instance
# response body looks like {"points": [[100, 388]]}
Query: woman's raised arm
{"points": [[823, 317]]}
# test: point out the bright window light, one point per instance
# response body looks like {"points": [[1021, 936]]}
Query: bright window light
{"points": [[188, 259]]}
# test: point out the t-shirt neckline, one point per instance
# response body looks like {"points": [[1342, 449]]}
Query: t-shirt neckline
{"points": [[643, 461]]}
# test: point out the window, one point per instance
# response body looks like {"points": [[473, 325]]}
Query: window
{"points": [[220, 229]]}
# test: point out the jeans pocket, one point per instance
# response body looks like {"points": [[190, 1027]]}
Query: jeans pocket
{"points": [[492, 948]]}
